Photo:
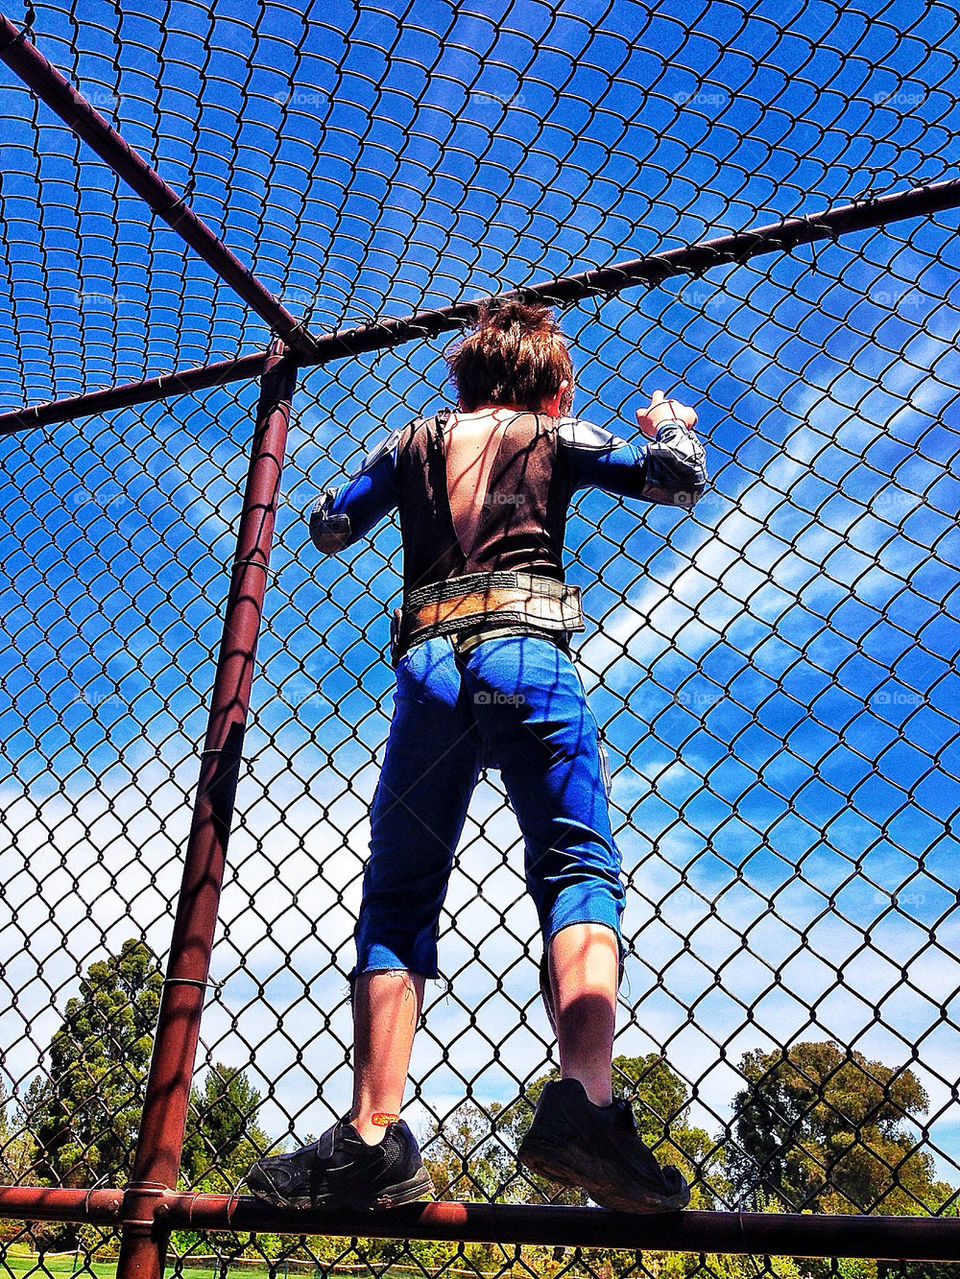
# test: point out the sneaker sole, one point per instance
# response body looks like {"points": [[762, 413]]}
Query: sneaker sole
{"points": [[555, 1163], [404, 1192], [302, 1204], [419, 1186]]}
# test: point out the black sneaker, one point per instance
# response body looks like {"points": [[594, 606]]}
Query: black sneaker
{"points": [[296, 1180], [598, 1149], [342, 1170]]}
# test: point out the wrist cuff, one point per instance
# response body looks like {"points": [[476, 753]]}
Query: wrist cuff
{"points": [[672, 422]]}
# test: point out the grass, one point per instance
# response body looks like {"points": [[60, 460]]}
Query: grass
{"points": [[62, 1267]]}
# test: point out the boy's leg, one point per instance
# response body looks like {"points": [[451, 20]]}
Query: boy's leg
{"points": [[386, 1010], [541, 734], [429, 771], [584, 963], [544, 740], [430, 767]]}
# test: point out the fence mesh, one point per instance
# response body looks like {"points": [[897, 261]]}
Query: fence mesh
{"points": [[774, 674]]}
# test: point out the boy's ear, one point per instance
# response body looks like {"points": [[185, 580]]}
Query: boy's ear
{"points": [[560, 402]]}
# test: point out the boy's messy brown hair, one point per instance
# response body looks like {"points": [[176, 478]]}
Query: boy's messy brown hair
{"points": [[516, 354]]}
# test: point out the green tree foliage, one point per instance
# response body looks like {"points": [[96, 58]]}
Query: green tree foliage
{"points": [[221, 1141], [85, 1113], [18, 1150], [466, 1154], [917, 1270], [661, 1106], [472, 1155], [18, 1154], [821, 1128], [223, 1137]]}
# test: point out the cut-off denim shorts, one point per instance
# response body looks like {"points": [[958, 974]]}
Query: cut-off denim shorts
{"points": [[515, 704]]}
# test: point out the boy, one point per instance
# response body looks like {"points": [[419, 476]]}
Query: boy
{"points": [[484, 677]]}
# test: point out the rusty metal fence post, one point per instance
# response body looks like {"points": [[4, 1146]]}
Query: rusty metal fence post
{"points": [[171, 1069]]}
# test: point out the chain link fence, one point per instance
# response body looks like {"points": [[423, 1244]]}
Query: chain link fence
{"points": [[774, 673]]}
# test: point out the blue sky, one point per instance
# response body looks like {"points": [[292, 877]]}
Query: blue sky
{"points": [[775, 675]]}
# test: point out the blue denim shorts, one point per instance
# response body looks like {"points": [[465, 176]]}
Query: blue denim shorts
{"points": [[515, 704]]}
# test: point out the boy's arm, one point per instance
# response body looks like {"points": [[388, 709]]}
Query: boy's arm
{"points": [[343, 514], [671, 469]]}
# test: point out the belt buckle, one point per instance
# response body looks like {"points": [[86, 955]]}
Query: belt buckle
{"points": [[571, 608]]}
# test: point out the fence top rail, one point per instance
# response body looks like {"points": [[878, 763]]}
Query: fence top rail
{"points": [[690, 260], [126, 394]]}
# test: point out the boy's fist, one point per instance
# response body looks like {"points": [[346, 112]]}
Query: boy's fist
{"points": [[662, 410]]}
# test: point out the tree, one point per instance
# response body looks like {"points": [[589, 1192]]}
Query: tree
{"points": [[86, 1112], [223, 1137], [18, 1150], [661, 1104], [465, 1154], [18, 1155], [820, 1127], [472, 1155]]}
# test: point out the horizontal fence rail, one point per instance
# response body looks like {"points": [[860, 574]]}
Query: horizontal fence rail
{"points": [[694, 260], [760, 1233]]}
